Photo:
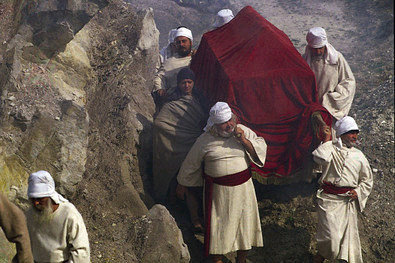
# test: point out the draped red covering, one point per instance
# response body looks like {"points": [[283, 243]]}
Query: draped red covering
{"points": [[254, 67]]}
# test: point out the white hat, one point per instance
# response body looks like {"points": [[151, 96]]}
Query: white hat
{"points": [[41, 184], [183, 32], [345, 125], [219, 113], [316, 37], [223, 16]]}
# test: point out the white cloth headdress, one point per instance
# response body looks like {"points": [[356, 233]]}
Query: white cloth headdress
{"points": [[219, 113], [223, 16], [171, 37], [183, 32], [41, 184], [345, 125], [316, 38]]}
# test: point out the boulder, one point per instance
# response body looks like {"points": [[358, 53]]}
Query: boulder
{"points": [[165, 242]]}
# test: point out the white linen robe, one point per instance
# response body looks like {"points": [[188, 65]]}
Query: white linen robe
{"points": [[335, 83], [337, 231], [166, 77], [63, 239], [235, 222]]}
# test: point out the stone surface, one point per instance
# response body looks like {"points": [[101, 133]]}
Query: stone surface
{"points": [[165, 242]]}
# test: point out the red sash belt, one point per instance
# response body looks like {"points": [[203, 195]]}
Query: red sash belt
{"points": [[330, 188], [228, 180]]}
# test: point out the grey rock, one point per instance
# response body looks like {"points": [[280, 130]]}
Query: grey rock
{"points": [[165, 242]]}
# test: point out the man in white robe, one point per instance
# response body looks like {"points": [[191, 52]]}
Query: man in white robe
{"points": [[335, 80], [57, 230], [226, 151], [345, 185], [165, 81]]}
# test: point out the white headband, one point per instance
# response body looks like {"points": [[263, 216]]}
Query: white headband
{"points": [[316, 37], [183, 32], [41, 184], [219, 113]]}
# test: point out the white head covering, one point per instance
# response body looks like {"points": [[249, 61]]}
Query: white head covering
{"points": [[171, 37], [223, 16], [183, 32], [316, 38], [41, 184], [219, 113], [344, 125]]}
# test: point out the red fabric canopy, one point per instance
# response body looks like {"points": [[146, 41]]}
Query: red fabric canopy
{"points": [[254, 67]]}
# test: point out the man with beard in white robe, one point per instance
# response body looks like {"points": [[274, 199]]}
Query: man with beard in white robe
{"points": [[165, 81], [57, 230], [345, 185], [226, 150], [335, 80]]}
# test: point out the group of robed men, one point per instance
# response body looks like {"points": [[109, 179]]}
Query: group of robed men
{"points": [[220, 159]]}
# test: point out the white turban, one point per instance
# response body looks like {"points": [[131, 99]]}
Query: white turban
{"points": [[223, 16], [345, 125], [316, 37], [219, 113], [41, 184], [171, 37], [183, 32]]}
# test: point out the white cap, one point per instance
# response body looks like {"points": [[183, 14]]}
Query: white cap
{"points": [[219, 113], [345, 125], [223, 17], [41, 184], [183, 32], [316, 37]]}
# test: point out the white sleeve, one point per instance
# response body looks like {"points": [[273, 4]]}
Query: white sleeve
{"points": [[190, 173], [259, 145]]}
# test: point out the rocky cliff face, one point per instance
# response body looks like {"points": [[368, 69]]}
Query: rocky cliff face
{"points": [[75, 101]]}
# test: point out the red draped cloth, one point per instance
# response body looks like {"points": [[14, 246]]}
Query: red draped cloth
{"points": [[254, 67], [335, 190], [228, 180]]}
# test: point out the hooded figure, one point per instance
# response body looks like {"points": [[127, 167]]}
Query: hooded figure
{"points": [[57, 230], [223, 16], [335, 80]]}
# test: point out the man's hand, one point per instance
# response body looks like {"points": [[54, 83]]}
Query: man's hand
{"points": [[353, 195], [181, 191], [161, 92], [327, 132], [239, 134]]}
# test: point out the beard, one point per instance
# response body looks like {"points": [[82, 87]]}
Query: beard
{"points": [[350, 144], [183, 52], [226, 134], [44, 216]]}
